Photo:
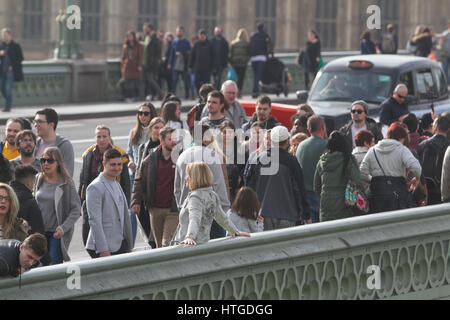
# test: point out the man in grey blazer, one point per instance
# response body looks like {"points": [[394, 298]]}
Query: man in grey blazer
{"points": [[107, 209]]}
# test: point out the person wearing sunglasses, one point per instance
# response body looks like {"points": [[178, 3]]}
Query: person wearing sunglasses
{"points": [[394, 107], [59, 202], [139, 135], [360, 121]]}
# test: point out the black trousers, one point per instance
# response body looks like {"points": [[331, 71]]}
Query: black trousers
{"points": [[240, 73]]}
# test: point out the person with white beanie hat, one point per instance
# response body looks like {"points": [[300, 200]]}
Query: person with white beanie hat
{"points": [[280, 186]]}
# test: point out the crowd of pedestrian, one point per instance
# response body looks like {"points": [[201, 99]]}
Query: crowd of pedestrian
{"points": [[187, 183], [153, 63], [216, 174], [424, 42]]}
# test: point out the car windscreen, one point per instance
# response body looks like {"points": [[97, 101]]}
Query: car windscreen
{"points": [[350, 86]]}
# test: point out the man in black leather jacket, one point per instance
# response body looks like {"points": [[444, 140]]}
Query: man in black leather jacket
{"points": [[17, 257]]}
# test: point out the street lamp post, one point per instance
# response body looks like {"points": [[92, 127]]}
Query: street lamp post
{"points": [[68, 45]]}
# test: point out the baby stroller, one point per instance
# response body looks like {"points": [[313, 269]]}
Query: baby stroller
{"points": [[275, 77]]}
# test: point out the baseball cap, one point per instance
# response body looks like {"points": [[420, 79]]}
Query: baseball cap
{"points": [[279, 134]]}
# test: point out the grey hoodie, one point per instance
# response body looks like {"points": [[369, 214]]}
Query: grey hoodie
{"points": [[66, 148], [395, 159], [198, 211]]}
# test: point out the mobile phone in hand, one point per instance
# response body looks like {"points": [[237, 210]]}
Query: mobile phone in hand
{"points": [[432, 107]]}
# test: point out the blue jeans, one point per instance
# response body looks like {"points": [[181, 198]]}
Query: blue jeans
{"points": [[202, 77], [6, 86], [186, 80], [54, 248], [192, 83], [258, 69], [314, 206]]}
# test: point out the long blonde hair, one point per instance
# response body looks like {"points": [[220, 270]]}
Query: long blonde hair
{"points": [[241, 35], [11, 216]]}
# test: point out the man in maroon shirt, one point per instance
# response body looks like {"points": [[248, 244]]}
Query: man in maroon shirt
{"points": [[153, 188]]}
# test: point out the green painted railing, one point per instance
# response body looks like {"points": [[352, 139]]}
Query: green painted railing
{"points": [[409, 251], [50, 82], [46, 82]]}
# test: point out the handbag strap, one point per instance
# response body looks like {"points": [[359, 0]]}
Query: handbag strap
{"points": [[374, 152]]}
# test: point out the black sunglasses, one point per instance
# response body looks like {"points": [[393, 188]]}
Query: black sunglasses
{"points": [[49, 160], [400, 96], [145, 113], [357, 111]]}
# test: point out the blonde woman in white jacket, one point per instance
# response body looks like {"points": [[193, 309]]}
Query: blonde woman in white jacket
{"points": [[200, 208]]}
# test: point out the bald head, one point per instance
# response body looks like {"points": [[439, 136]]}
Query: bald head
{"points": [[217, 31], [400, 93]]}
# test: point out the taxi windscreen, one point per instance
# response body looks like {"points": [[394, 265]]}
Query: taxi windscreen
{"points": [[350, 86]]}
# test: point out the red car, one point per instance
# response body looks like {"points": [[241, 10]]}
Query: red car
{"points": [[283, 112]]}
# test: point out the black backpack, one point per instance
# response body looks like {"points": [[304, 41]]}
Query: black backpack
{"points": [[432, 158]]}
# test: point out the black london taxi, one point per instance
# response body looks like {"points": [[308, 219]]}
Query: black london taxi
{"points": [[373, 78]]}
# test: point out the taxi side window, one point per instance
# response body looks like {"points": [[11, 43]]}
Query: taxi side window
{"points": [[407, 79], [441, 83], [426, 85]]}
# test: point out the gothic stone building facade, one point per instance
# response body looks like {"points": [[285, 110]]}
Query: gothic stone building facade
{"points": [[105, 22]]}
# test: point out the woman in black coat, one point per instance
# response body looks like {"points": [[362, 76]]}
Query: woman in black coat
{"points": [[312, 55]]}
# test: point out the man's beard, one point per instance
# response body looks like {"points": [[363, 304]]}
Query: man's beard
{"points": [[27, 154]]}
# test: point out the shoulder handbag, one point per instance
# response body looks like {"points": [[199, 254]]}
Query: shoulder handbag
{"points": [[388, 181], [355, 198]]}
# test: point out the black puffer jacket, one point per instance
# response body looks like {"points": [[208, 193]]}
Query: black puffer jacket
{"points": [[202, 57], [9, 258]]}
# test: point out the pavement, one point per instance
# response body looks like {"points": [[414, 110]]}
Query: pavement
{"points": [[110, 109]]}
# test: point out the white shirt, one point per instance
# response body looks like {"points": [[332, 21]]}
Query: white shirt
{"points": [[355, 131], [262, 58]]}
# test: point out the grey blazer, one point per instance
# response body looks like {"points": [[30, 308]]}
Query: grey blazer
{"points": [[110, 224]]}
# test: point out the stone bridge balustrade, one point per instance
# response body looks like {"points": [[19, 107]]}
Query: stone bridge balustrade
{"points": [[328, 260]]}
